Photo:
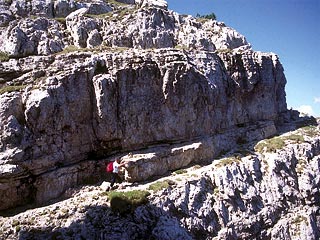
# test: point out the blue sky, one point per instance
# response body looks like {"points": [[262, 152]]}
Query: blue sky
{"points": [[289, 28]]}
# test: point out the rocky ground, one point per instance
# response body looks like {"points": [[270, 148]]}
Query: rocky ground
{"points": [[264, 190]]}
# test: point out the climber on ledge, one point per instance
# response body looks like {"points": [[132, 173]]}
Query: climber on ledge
{"points": [[113, 168]]}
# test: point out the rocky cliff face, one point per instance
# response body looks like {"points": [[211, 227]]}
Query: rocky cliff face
{"points": [[84, 81]]}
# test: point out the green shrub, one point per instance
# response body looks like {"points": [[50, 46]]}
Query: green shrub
{"points": [[211, 16], [4, 57], [124, 202], [100, 16], [11, 88], [206, 17]]}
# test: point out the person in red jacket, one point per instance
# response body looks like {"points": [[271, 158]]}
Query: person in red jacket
{"points": [[115, 172]]}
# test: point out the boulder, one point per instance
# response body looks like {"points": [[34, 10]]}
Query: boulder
{"points": [[80, 27], [32, 37], [162, 4]]}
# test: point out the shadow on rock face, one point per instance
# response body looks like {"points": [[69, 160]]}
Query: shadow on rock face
{"points": [[100, 222]]}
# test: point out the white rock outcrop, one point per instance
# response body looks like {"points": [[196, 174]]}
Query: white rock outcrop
{"points": [[83, 106]]}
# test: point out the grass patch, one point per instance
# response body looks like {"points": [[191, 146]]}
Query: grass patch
{"points": [[181, 47], [100, 16], [299, 219], [121, 10], [276, 143], [116, 3], [296, 138], [98, 49], [310, 131], [157, 186], [270, 145], [125, 12], [11, 89], [228, 161], [33, 17], [70, 48], [124, 202], [202, 20], [61, 20], [224, 50], [180, 171], [4, 57]]}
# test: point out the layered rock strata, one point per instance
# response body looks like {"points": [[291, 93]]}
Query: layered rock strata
{"points": [[136, 76], [98, 104]]}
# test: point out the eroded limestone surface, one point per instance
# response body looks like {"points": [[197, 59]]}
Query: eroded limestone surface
{"points": [[83, 82]]}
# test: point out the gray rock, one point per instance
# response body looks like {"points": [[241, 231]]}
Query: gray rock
{"points": [[127, 1], [171, 89], [99, 7], [63, 8], [80, 27], [5, 18], [94, 39], [93, 106], [152, 4], [31, 37], [32, 8]]}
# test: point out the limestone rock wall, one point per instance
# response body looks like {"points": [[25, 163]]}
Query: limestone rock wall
{"points": [[98, 104], [95, 84]]}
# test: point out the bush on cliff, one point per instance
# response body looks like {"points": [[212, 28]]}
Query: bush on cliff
{"points": [[4, 57], [211, 16], [124, 202]]}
